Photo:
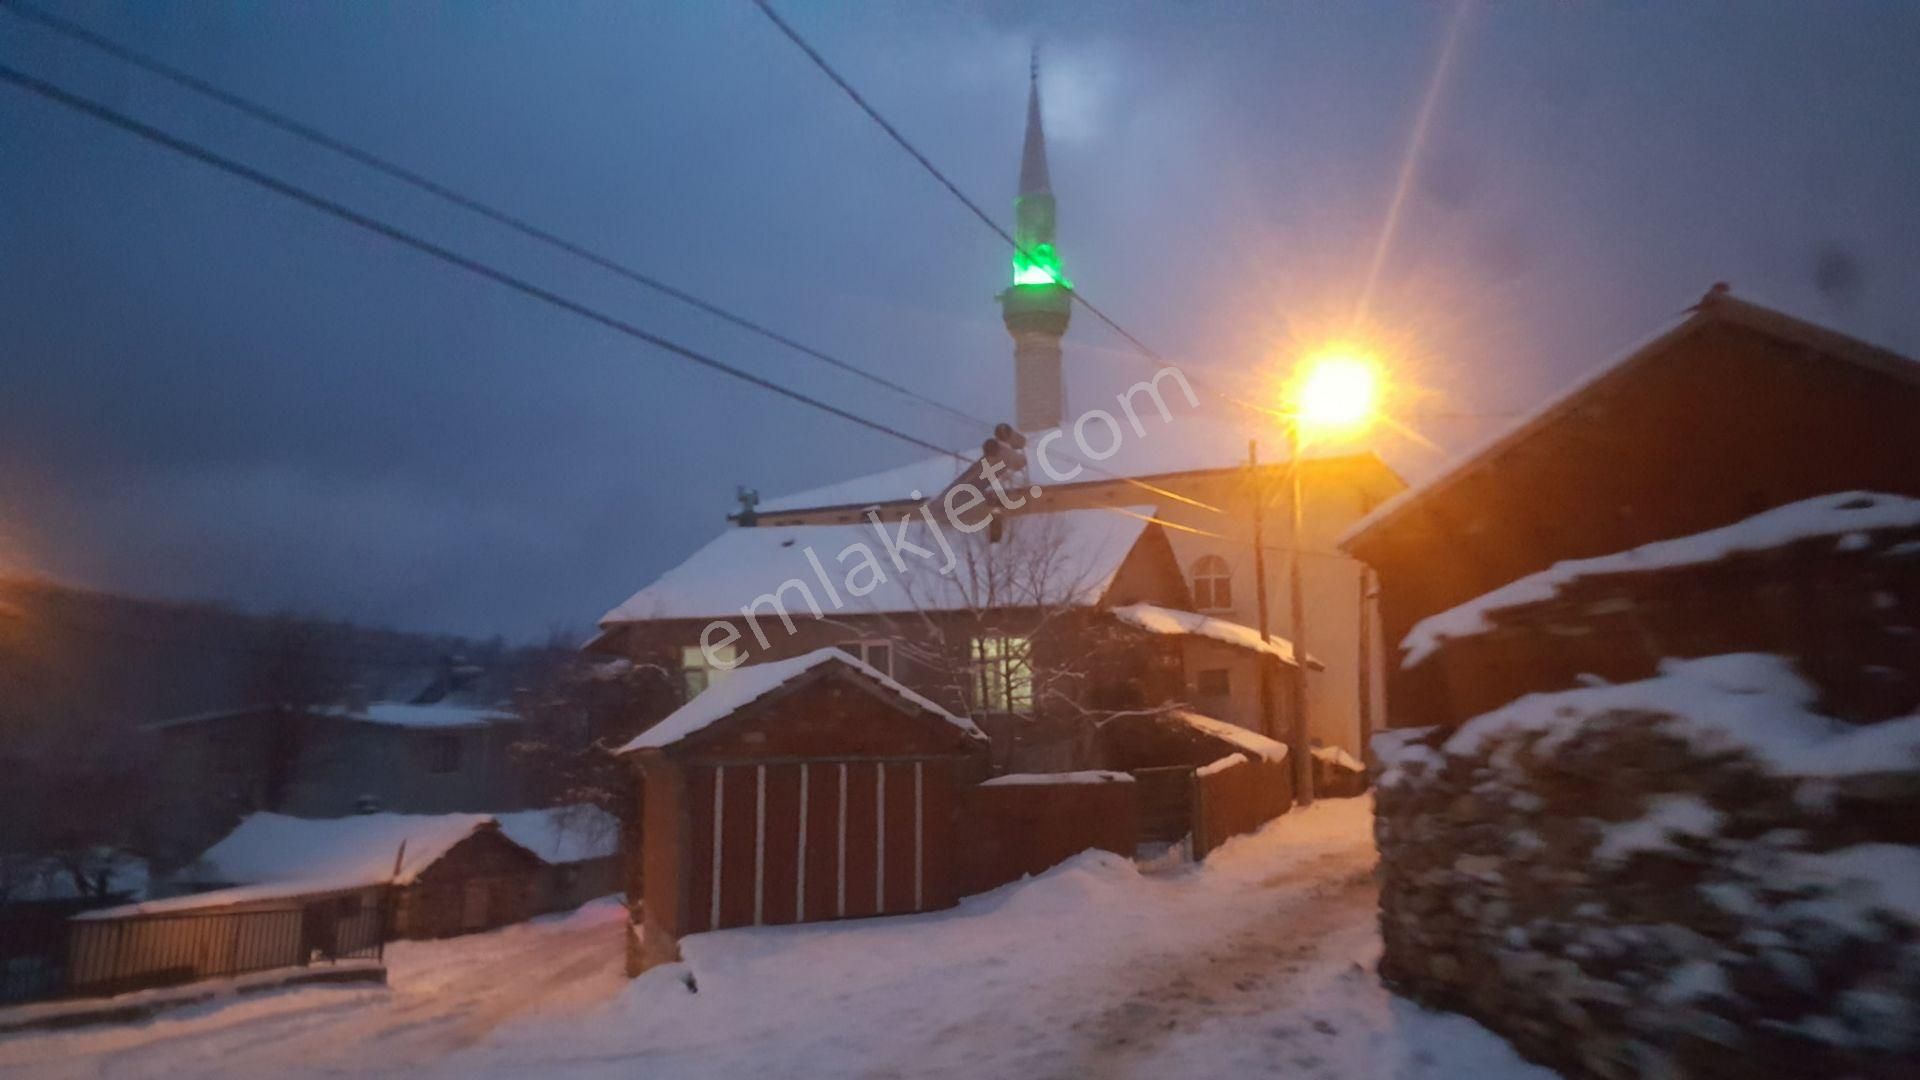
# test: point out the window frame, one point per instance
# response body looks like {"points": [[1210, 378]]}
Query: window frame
{"points": [[694, 669], [862, 651], [1003, 673], [1211, 581]]}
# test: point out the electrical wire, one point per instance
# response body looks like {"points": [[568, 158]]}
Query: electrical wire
{"points": [[387, 167], [475, 266]]}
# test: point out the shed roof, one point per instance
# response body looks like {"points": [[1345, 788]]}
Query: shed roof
{"points": [[746, 685], [1160, 620], [1242, 739], [1840, 516], [272, 856], [1717, 307], [741, 565]]}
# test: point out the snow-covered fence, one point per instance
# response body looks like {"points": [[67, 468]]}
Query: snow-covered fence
{"points": [[1832, 582], [1023, 823], [113, 955], [1236, 795], [1691, 875]]}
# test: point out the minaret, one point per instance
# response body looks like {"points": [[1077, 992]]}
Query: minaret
{"points": [[1036, 307]]}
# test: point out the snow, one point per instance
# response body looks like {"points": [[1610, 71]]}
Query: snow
{"points": [[1257, 962], [1838, 515], [744, 685], [1212, 768], [1083, 549], [564, 834], [437, 715], [1873, 877], [272, 856], [1160, 620], [1247, 741], [1743, 702], [1339, 758], [1667, 816], [1084, 776]]}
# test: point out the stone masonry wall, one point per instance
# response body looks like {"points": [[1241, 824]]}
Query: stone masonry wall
{"points": [[1688, 876]]}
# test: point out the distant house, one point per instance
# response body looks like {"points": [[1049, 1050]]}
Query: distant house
{"points": [[1735, 410], [1043, 622], [327, 762], [452, 873], [580, 846]]}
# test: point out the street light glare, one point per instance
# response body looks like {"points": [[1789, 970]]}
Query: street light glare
{"points": [[1336, 390]]}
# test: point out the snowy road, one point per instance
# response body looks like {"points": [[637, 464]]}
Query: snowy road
{"points": [[1259, 962]]}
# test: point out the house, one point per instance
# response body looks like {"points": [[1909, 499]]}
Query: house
{"points": [[330, 761], [1036, 624], [450, 873], [1192, 475], [1735, 410], [580, 846], [806, 788]]}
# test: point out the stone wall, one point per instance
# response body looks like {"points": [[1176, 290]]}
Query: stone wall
{"points": [[1692, 875]]}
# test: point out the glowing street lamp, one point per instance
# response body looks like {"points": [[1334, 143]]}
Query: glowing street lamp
{"points": [[1336, 391]]}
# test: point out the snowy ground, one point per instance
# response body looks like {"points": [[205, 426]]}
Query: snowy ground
{"points": [[1259, 962]]}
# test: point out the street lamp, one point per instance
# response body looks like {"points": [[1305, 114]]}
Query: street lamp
{"points": [[1333, 392]]}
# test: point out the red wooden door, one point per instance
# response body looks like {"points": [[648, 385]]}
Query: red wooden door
{"points": [[802, 842]]}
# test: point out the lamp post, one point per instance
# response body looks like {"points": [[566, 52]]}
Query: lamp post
{"points": [[1332, 392]]}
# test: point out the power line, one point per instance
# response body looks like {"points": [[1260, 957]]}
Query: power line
{"points": [[894, 133], [387, 167], [353, 217]]}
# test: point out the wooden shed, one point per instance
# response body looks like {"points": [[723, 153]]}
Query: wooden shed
{"points": [[799, 790], [1735, 410]]}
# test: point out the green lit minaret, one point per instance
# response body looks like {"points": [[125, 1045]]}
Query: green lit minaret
{"points": [[1037, 305]]}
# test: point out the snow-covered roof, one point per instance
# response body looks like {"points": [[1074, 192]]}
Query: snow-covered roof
{"points": [[1840, 516], [1716, 307], [1243, 739], [564, 834], [442, 714], [273, 856], [1159, 620], [1083, 776], [1083, 549], [745, 685], [1190, 443], [1339, 758]]}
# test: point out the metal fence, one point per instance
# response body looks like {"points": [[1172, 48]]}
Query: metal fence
{"points": [[89, 957]]}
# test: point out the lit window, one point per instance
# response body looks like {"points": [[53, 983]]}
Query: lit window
{"points": [[1212, 584], [877, 655], [698, 673], [1211, 683], [1003, 674]]}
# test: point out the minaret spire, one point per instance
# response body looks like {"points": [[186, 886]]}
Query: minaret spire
{"points": [[1033, 157], [1036, 308]]}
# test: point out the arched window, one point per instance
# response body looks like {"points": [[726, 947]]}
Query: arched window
{"points": [[1212, 584]]}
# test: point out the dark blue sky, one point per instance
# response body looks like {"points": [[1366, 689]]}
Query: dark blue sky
{"points": [[208, 391]]}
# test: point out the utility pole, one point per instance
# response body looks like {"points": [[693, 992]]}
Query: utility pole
{"points": [[1299, 731], [1259, 489]]}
